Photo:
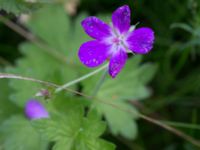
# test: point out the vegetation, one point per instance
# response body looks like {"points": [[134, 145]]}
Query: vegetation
{"points": [[152, 104]]}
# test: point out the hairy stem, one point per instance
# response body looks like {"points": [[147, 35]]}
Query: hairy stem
{"points": [[80, 79], [99, 84]]}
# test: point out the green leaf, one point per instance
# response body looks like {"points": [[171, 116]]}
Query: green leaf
{"points": [[16, 6], [183, 26], [130, 85], [120, 117], [52, 26], [7, 108], [61, 33], [20, 135], [70, 130], [39, 62]]}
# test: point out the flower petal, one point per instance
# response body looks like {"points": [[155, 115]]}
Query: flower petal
{"points": [[141, 40], [93, 53], [121, 18], [117, 62], [35, 110], [96, 28]]}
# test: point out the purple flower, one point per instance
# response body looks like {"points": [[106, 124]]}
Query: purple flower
{"points": [[113, 42], [35, 110]]}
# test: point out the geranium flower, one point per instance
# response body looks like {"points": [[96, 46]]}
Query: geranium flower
{"points": [[35, 110], [113, 42]]}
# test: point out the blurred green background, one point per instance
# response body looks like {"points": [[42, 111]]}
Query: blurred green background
{"points": [[176, 85]]}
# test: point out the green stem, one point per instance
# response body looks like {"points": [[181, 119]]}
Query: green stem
{"points": [[182, 125], [80, 79], [99, 84]]}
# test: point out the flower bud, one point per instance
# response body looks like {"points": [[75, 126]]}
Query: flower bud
{"points": [[35, 110]]}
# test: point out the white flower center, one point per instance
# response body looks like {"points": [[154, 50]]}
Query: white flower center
{"points": [[118, 41]]}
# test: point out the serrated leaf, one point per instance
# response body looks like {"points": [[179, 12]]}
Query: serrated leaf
{"points": [[130, 84], [72, 131], [15, 131], [52, 25], [35, 65], [16, 6], [120, 117]]}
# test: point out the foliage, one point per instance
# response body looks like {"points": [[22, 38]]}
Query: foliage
{"points": [[15, 131], [7, 108], [42, 24], [77, 122], [120, 111], [51, 26], [71, 130], [16, 6]]}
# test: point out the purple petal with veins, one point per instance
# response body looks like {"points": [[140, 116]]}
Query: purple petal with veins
{"points": [[93, 53], [117, 62], [121, 19], [141, 40], [96, 28], [35, 110]]}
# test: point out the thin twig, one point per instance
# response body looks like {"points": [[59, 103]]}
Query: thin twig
{"points": [[13, 76], [171, 129], [49, 84], [182, 125], [142, 116]]}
